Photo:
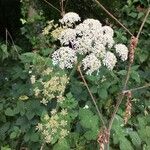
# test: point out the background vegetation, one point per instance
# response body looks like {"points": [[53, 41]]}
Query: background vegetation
{"points": [[27, 53]]}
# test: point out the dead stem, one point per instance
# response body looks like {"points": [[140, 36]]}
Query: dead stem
{"points": [[102, 7], [52, 5], [138, 88], [142, 25]]}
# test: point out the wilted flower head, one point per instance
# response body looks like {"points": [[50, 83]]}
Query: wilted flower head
{"points": [[65, 57], [91, 63], [69, 19], [109, 60], [122, 51]]}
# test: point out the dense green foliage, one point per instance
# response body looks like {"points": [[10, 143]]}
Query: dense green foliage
{"points": [[23, 68]]}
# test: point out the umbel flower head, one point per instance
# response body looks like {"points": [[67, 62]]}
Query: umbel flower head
{"points": [[89, 39], [70, 19], [65, 57], [122, 51]]}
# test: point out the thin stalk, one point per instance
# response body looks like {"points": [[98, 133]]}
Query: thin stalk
{"points": [[112, 16], [8, 34], [52, 5], [42, 146], [138, 88], [120, 98], [142, 25], [92, 97]]}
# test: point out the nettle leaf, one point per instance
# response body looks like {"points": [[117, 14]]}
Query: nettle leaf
{"points": [[136, 140]]}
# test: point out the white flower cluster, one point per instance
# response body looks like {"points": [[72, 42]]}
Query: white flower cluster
{"points": [[109, 60], [122, 51], [91, 63], [90, 39], [70, 19], [64, 57]]}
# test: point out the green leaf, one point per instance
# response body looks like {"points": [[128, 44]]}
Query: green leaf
{"points": [[135, 76], [133, 14], [102, 92], [88, 119], [91, 134], [125, 144], [13, 135], [136, 140], [9, 112], [34, 137], [122, 72], [62, 145]]}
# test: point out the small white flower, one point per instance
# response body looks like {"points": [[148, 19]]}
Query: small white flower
{"points": [[122, 51], [69, 19], [44, 101], [67, 36], [65, 57], [63, 123], [39, 127], [32, 79], [86, 107], [109, 60], [54, 111], [91, 63], [64, 112]]}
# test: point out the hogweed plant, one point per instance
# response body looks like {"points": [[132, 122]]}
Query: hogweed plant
{"points": [[89, 46]]}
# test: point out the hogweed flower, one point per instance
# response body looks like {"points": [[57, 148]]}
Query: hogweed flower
{"points": [[69, 19], [91, 63], [65, 57], [109, 60], [122, 51], [90, 39], [67, 36]]}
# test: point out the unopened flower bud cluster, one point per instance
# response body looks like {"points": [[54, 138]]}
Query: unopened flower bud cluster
{"points": [[90, 39], [52, 85], [54, 127]]}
